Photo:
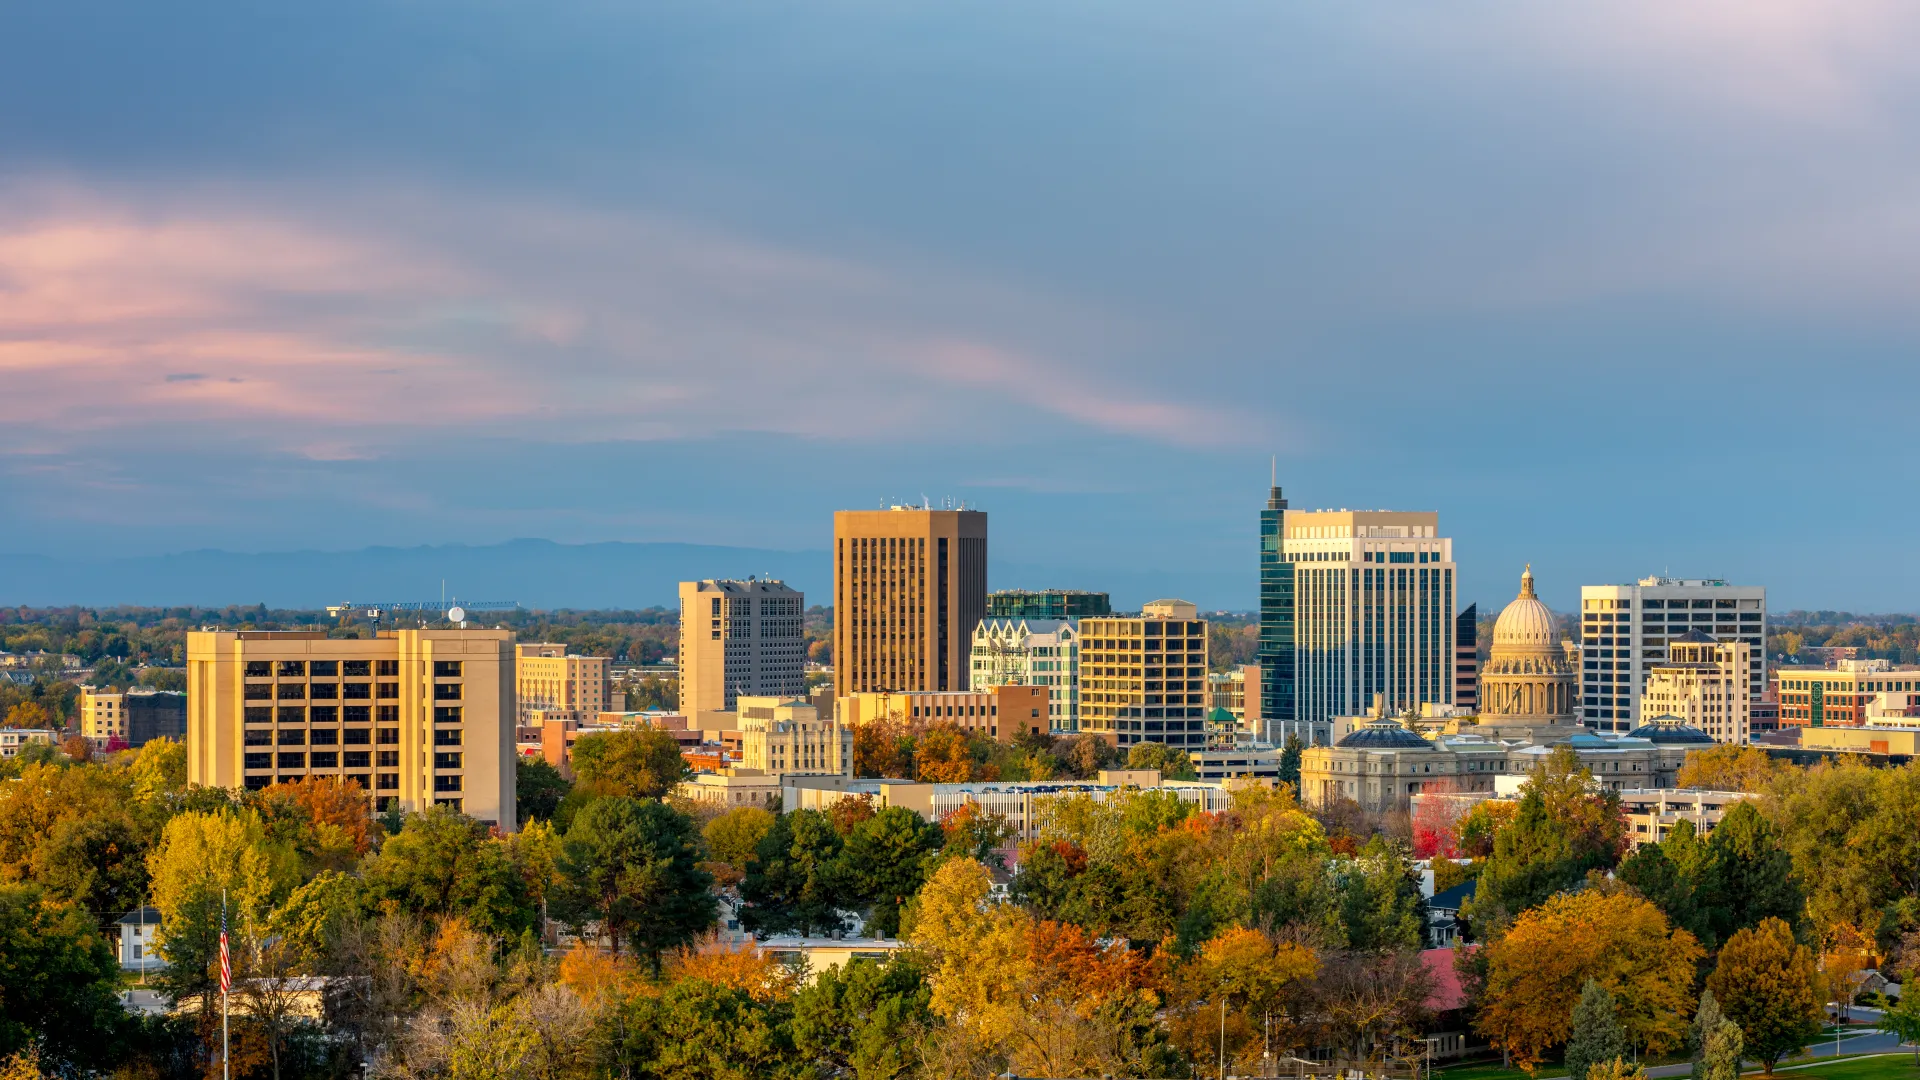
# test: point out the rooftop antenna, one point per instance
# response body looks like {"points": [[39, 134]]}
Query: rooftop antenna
{"points": [[1276, 471]]}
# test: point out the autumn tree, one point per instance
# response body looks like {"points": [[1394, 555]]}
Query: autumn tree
{"points": [[1729, 767], [1764, 982], [204, 862], [1172, 762], [733, 836], [443, 863], [1562, 829], [948, 754], [643, 764], [1618, 940]]}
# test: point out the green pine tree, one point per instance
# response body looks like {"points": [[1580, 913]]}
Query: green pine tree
{"points": [[1290, 762], [1596, 1039]]}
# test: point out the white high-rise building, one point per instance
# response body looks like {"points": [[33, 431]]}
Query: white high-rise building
{"points": [[1032, 652], [1373, 613], [1624, 630]]}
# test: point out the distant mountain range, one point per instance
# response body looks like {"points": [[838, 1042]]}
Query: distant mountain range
{"points": [[535, 573]]}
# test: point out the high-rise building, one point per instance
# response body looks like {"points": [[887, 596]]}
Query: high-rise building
{"points": [[909, 586], [740, 637], [1466, 659], [1705, 683], [1047, 604], [548, 679], [1373, 594], [1032, 652], [1274, 655], [417, 717], [1624, 631], [1144, 678]]}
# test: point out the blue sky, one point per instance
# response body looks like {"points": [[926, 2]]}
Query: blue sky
{"points": [[1616, 288]]}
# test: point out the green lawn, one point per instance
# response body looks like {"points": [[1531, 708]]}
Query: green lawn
{"points": [[1878, 1067]]}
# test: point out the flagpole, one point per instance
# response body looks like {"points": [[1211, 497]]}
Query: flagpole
{"points": [[226, 983]]}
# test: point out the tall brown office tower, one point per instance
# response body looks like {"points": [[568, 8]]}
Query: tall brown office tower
{"points": [[909, 585]]}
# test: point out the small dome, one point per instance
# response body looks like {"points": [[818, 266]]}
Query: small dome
{"points": [[1383, 735], [1220, 716], [1526, 623], [1670, 731]]}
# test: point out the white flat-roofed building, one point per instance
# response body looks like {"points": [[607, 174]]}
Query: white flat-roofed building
{"points": [[1704, 683], [1652, 813], [1022, 803], [1624, 630]]}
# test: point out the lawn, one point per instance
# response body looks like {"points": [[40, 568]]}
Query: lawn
{"points": [[1878, 1067]]}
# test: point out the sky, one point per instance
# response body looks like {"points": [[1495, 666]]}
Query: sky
{"points": [[1619, 289]]}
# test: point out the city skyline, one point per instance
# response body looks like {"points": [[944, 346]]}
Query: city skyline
{"points": [[1504, 268]]}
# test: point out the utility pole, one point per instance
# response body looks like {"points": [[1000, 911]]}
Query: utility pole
{"points": [[1223, 1038]]}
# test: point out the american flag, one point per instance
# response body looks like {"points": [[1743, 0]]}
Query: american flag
{"points": [[226, 962]]}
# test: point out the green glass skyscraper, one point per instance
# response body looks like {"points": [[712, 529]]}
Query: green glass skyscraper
{"points": [[1275, 652]]}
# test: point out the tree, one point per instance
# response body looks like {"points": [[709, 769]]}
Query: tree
{"points": [[860, 1019], [537, 789], [637, 764], [945, 754], [312, 919], [1563, 829], [632, 867], [1290, 756], [1729, 767], [57, 979], [795, 880], [97, 861], [1749, 875], [1172, 762], [1595, 1037], [160, 770], [1717, 1044], [1381, 908], [1901, 1019], [30, 714], [885, 861], [1618, 940], [443, 863], [733, 837], [1764, 983], [204, 862]]}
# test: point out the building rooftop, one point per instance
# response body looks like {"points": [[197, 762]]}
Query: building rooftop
{"points": [[1383, 735]]}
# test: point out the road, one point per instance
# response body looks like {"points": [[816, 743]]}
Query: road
{"points": [[1864, 1041]]}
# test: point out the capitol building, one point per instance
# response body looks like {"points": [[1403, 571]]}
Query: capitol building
{"points": [[1528, 694]]}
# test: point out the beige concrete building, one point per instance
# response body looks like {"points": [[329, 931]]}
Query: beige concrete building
{"points": [[782, 736], [1624, 630], [102, 716], [547, 678], [1144, 679], [417, 717], [1704, 683], [739, 637], [1879, 739], [1653, 812], [1002, 712], [1373, 596], [909, 586], [733, 787]]}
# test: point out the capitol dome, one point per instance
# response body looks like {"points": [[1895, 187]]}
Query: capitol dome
{"points": [[1530, 677], [1526, 623]]}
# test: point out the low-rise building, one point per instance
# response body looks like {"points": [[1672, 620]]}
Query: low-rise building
{"points": [[1255, 762], [814, 955], [1001, 712], [1022, 803], [140, 940], [1842, 695], [1653, 812], [13, 740], [1896, 743], [781, 737], [733, 787]]}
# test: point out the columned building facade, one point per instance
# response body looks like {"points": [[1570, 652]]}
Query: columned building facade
{"points": [[1531, 677]]}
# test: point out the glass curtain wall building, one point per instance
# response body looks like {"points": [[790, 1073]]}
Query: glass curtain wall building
{"points": [[1274, 653]]}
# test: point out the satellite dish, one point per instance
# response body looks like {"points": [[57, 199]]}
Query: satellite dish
{"points": [[456, 614]]}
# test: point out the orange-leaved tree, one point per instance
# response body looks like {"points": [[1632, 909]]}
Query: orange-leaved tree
{"points": [[1764, 982], [1620, 941]]}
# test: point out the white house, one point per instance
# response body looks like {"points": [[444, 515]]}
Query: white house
{"points": [[139, 933]]}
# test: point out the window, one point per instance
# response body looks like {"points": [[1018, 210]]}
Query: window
{"points": [[446, 669], [258, 738], [259, 714], [387, 781], [357, 759], [447, 737], [255, 783], [324, 668], [446, 761], [389, 737], [326, 691], [389, 714], [259, 761], [387, 759], [291, 691], [258, 692], [358, 736], [292, 714], [326, 760], [446, 691], [351, 668], [259, 669], [356, 714], [446, 783], [388, 668], [324, 714], [293, 669], [325, 737], [357, 691], [292, 737], [293, 761], [387, 690]]}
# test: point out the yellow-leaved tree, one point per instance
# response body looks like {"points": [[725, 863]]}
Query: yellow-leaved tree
{"points": [[200, 857], [1620, 941]]}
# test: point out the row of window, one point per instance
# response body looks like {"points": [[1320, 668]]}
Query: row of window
{"points": [[329, 669], [352, 714], [353, 691]]}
